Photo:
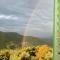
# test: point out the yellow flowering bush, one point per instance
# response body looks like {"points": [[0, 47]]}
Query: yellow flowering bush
{"points": [[43, 52]]}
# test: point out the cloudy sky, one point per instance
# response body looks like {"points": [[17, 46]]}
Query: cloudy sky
{"points": [[15, 15]]}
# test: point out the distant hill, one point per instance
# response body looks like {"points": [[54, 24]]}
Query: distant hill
{"points": [[38, 41], [13, 40]]}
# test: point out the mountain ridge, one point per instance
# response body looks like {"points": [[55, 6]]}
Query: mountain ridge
{"points": [[15, 39]]}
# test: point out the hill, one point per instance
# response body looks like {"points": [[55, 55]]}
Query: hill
{"points": [[13, 40], [38, 41], [10, 38]]}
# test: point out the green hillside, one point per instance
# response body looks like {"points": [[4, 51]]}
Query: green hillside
{"points": [[38, 41], [10, 38], [13, 40]]}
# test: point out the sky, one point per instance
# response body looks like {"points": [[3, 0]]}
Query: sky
{"points": [[15, 15]]}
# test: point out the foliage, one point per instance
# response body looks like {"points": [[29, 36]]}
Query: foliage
{"points": [[42, 52]]}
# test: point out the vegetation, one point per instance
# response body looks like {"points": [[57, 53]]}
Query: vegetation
{"points": [[13, 40], [43, 52], [11, 47]]}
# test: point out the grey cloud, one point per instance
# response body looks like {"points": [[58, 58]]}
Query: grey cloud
{"points": [[23, 9]]}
